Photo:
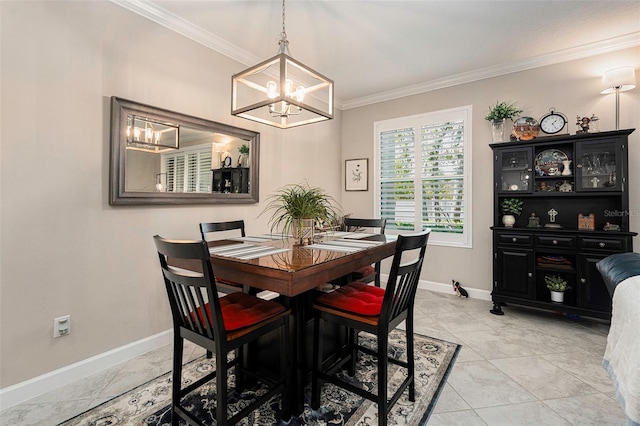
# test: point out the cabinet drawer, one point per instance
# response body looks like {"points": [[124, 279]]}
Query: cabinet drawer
{"points": [[515, 239], [556, 241], [604, 244]]}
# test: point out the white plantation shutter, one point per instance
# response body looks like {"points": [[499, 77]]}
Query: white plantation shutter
{"points": [[397, 178], [188, 170], [443, 177], [422, 179]]}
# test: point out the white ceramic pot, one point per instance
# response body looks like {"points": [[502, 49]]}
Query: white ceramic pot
{"points": [[508, 220], [557, 296]]}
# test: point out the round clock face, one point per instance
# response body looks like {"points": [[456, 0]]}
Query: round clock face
{"points": [[552, 123], [227, 161]]}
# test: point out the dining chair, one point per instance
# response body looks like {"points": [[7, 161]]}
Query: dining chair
{"points": [[367, 273], [208, 231], [220, 325], [362, 307]]}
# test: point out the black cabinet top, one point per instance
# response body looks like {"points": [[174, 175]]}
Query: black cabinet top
{"points": [[562, 138]]}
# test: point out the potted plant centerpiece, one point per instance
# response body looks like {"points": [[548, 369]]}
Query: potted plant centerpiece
{"points": [[498, 116], [243, 160], [557, 285], [511, 207], [297, 208]]}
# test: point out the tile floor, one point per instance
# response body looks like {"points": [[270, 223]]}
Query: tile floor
{"points": [[527, 367]]}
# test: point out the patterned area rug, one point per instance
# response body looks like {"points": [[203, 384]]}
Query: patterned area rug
{"points": [[149, 404]]}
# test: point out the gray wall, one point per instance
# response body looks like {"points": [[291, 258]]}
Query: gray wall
{"points": [[64, 250]]}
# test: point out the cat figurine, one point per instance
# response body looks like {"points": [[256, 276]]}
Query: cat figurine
{"points": [[460, 292]]}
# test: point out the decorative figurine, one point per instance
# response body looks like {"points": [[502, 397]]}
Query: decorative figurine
{"points": [[611, 227], [595, 123], [565, 187], [566, 171], [552, 215], [586, 223], [458, 290], [594, 182], [534, 221], [583, 123]]}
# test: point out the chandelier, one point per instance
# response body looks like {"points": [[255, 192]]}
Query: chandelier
{"points": [[144, 134], [281, 91]]}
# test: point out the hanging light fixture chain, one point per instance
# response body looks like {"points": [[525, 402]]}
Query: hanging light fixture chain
{"points": [[283, 43]]}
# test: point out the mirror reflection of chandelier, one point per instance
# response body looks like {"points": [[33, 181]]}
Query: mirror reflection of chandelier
{"points": [[281, 91], [147, 135]]}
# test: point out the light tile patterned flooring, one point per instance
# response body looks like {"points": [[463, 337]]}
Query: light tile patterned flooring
{"points": [[527, 367]]}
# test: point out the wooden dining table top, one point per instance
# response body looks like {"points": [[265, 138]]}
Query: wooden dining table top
{"points": [[297, 268]]}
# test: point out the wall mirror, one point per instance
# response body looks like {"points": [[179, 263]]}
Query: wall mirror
{"points": [[164, 157]]}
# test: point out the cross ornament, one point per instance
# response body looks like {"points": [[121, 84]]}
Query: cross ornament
{"points": [[552, 215]]}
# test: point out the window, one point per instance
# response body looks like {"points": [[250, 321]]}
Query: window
{"points": [[188, 170], [423, 175]]}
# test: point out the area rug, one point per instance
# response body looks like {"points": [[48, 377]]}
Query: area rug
{"points": [[149, 404]]}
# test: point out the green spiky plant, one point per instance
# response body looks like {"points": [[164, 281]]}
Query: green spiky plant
{"points": [[291, 205], [244, 149], [502, 110]]}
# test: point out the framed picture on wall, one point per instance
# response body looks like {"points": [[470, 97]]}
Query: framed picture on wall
{"points": [[356, 174]]}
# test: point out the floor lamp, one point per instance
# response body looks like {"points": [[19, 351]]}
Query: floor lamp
{"points": [[618, 80]]}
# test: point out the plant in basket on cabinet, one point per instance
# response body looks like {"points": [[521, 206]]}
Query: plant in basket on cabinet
{"points": [[511, 207], [498, 116], [557, 285]]}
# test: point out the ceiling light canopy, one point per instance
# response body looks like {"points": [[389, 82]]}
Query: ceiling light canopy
{"points": [[281, 91]]}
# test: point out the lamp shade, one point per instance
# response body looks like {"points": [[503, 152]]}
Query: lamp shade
{"points": [[619, 78]]}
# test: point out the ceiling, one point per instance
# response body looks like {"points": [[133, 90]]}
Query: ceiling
{"points": [[379, 50]]}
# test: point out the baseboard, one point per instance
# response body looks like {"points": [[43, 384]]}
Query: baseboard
{"points": [[31, 388], [474, 293]]}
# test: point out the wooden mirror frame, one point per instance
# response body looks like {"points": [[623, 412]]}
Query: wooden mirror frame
{"points": [[117, 190]]}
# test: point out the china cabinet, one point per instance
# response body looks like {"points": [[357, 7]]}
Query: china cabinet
{"points": [[575, 197], [231, 180]]}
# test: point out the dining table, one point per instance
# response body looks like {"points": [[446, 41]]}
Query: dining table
{"points": [[295, 274]]}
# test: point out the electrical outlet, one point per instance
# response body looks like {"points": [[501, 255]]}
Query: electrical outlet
{"points": [[62, 326]]}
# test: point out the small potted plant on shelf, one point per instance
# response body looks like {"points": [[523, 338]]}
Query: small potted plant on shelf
{"points": [[244, 155], [498, 116], [297, 208], [511, 207], [557, 285]]}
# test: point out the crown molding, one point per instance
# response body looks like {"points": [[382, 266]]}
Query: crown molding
{"points": [[181, 26], [566, 55]]}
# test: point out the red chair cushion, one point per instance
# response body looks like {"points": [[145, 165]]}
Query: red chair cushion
{"points": [[365, 271], [356, 297], [241, 310]]}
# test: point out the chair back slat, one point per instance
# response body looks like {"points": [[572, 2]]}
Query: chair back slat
{"points": [[404, 276], [190, 293], [353, 224], [206, 228]]}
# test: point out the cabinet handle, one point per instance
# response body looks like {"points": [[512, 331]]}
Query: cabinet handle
{"points": [[530, 274], [601, 244], [583, 280], [514, 239], [555, 242]]}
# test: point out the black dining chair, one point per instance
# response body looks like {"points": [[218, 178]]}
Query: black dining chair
{"points": [[212, 231], [220, 325], [362, 307], [367, 273]]}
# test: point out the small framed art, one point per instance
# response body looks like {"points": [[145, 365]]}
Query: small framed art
{"points": [[356, 173]]}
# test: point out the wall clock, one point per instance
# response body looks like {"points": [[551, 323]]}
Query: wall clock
{"points": [[553, 123]]}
